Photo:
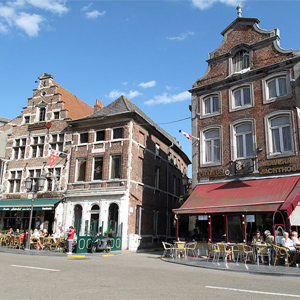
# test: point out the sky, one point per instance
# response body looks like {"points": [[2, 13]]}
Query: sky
{"points": [[151, 51]]}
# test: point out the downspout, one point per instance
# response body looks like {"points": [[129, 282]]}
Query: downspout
{"points": [[129, 168], [167, 213]]}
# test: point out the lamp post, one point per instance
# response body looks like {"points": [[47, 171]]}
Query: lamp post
{"points": [[33, 189], [185, 182]]}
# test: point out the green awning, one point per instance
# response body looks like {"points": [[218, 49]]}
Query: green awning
{"points": [[39, 204]]}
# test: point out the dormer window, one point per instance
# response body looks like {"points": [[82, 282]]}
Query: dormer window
{"points": [[240, 61]]}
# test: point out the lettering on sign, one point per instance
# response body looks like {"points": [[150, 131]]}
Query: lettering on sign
{"points": [[37, 126], [211, 173]]}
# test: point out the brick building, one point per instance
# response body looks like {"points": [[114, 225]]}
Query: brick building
{"points": [[125, 171], [246, 161], [41, 128]]}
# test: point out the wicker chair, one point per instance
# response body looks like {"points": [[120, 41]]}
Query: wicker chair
{"points": [[281, 253], [168, 248], [191, 247], [244, 251], [224, 251]]}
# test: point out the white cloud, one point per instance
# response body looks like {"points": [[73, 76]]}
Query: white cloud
{"points": [[166, 98], [13, 14], [181, 37], [87, 7], [148, 84], [95, 14], [55, 6], [29, 23], [203, 4], [114, 94], [124, 83]]}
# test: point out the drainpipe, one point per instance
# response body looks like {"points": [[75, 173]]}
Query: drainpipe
{"points": [[167, 213]]}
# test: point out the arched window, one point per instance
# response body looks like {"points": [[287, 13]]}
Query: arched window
{"points": [[95, 214], [244, 140], [281, 134], [113, 216], [212, 146]]}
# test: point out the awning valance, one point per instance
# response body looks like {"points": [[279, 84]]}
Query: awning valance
{"points": [[259, 195], [39, 204]]}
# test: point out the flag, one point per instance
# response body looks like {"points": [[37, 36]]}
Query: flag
{"points": [[186, 135], [298, 112], [53, 156]]}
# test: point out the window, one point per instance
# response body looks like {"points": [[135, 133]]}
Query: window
{"points": [[118, 133], [53, 180], [276, 87], [115, 171], [240, 61], [26, 119], [244, 140], [84, 138], [281, 135], [156, 178], [174, 185], [19, 148], [100, 135], [212, 153], [56, 115], [37, 146], [211, 105], [142, 138], [240, 97], [138, 219], [157, 149], [15, 181], [34, 174], [98, 168], [42, 114], [57, 142], [81, 166], [155, 222]]}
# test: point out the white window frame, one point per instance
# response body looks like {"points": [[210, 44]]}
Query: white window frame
{"points": [[15, 147], [79, 142], [35, 176], [38, 146], [56, 183], [268, 134], [275, 76], [110, 167], [234, 89], [24, 116], [233, 140], [112, 133], [202, 105], [95, 140], [54, 145], [55, 111], [203, 146], [157, 149], [14, 180]]}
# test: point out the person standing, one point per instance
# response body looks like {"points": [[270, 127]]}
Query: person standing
{"points": [[70, 238]]}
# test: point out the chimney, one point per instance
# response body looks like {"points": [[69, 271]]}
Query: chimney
{"points": [[98, 105]]}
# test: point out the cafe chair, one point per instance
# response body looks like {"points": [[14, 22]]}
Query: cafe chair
{"points": [[191, 247], [214, 251], [244, 251], [263, 250], [281, 253], [168, 248], [180, 250], [225, 252]]}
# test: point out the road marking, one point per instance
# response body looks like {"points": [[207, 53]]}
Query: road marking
{"points": [[254, 292], [125, 253], [74, 255], [53, 270], [105, 255]]}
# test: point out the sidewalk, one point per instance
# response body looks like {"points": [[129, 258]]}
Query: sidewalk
{"points": [[237, 267]]}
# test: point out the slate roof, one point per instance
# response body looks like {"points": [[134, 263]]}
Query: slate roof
{"points": [[4, 120]]}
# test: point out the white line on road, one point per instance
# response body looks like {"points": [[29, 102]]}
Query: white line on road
{"points": [[53, 270], [254, 292]]}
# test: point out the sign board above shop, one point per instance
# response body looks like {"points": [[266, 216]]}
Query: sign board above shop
{"points": [[25, 208]]}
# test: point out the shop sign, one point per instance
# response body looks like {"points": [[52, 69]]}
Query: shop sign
{"points": [[25, 208], [284, 165], [37, 126], [211, 173]]}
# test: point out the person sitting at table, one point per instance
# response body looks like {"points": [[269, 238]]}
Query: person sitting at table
{"points": [[45, 233], [289, 244], [10, 231], [295, 238], [17, 232], [269, 240], [257, 239], [36, 235]]}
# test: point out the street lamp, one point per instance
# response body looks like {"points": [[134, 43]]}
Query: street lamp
{"points": [[40, 182], [185, 182]]}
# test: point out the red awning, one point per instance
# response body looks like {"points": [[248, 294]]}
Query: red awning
{"points": [[259, 195], [292, 200]]}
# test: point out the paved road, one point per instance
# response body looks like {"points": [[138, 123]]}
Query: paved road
{"points": [[131, 276]]}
